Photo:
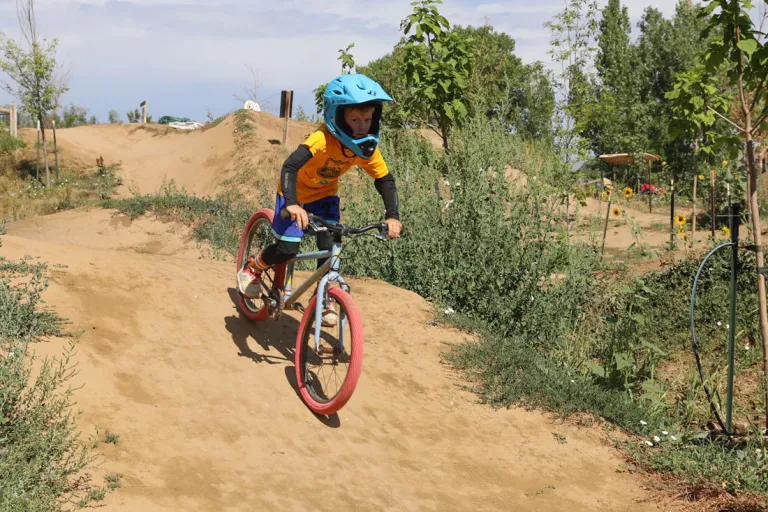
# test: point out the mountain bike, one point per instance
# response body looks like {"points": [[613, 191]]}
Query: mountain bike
{"points": [[328, 364]]}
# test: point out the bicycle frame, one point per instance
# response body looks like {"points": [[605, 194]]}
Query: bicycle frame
{"points": [[328, 272]]}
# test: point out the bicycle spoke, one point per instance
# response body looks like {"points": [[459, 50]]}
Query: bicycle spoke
{"points": [[325, 370]]}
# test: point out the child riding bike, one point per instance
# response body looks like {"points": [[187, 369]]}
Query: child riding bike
{"points": [[309, 177]]}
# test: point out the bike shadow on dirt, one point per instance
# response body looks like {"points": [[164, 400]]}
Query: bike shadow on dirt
{"points": [[271, 335]]}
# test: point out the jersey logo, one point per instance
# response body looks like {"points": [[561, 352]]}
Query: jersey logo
{"points": [[331, 169]]}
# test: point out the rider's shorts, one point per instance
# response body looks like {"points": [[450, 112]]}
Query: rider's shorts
{"points": [[287, 230]]}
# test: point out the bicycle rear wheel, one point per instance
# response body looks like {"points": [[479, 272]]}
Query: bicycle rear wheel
{"points": [[257, 235], [328, 376]]}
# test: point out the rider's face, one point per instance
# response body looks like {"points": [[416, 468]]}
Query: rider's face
{"points": [[359, 120]]}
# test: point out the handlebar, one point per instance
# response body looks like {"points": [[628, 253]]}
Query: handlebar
{"points": [[341, 229]]}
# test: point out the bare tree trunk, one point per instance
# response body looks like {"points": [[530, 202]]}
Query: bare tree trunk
{"points": [[749, 189], [752, 179], [763, 312], [45, 154], [759, 256], [695, 182], [444, 133]]}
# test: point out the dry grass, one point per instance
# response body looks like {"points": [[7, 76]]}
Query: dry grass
{"points": [[21, 195]]}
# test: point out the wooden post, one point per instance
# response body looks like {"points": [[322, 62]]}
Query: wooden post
{"points": [[55, 149], [672, 214], [37, 166], [650, 189], [605, 227], [712, 199], [14, 121], [286, 110], [695, 181], [143, 106]]}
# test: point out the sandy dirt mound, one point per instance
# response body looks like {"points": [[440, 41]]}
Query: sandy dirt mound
{"points": [[150, 154], [110, 230], [206, 407]]}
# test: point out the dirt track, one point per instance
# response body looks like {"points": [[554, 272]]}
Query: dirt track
{"points": [[208, 415]]}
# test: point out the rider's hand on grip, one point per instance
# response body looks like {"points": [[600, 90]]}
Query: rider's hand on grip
{"points": [[296, 213]]}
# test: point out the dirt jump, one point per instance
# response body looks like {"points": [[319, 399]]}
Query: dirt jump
{"points": [[205, 403]]}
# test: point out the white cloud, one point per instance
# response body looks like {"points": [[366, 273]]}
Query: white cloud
{"points": [[517, 8], [635, 8], [131, 45]]}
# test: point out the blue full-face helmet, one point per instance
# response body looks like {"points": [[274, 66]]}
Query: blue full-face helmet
{"points": [[358, 91]]}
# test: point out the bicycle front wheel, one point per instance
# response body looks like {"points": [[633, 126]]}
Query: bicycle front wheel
{"points": [[257, 235], [327, 369]]}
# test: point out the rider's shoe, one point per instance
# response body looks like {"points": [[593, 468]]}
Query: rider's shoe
{"points": [[248, 283], [330, 317]]}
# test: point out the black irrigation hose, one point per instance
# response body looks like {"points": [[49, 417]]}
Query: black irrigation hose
{"points": [[693, 337]]}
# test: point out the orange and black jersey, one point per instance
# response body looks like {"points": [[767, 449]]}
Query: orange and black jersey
{"points": [[313, 171]]}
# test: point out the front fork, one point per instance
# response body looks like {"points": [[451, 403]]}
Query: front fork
{"points": [[276, 302], [322, 298]]}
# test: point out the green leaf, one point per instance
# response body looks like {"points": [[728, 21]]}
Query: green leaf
{"points": [[699, 435], [461, 110], [709, 9], [595, 368], [652, 387], [639, 319], [748, 46], [448, 111], [652, 347], [623, 361]]}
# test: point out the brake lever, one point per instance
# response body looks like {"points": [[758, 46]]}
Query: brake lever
{"points": [[316, 228], [383, 234]]}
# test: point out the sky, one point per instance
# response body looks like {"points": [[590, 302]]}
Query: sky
{"points": [[191, 57]]}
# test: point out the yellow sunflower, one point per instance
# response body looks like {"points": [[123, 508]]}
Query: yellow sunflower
{"points": [[605, 195], [725, 231], [681, 230], [664, 163], [616, 212], [725, 162], [701, 177], [680, 220], [627, 192]]}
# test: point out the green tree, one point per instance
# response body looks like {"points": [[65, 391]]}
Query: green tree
{"points": [[347, 66], [502, 87], [32, 72], [742, 54], [573, 33], [135, 116], [623, 108], [74, 115], [693, 99], [437, 68], [114, 117], [665, 49], [389, 72], [617, 120]]}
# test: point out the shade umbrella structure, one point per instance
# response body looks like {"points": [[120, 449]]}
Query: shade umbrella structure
{"points": [[627, 159], [630, 158]]}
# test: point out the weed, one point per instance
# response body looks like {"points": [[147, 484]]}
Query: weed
{"points": [[111, 437], [113, 480]]}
